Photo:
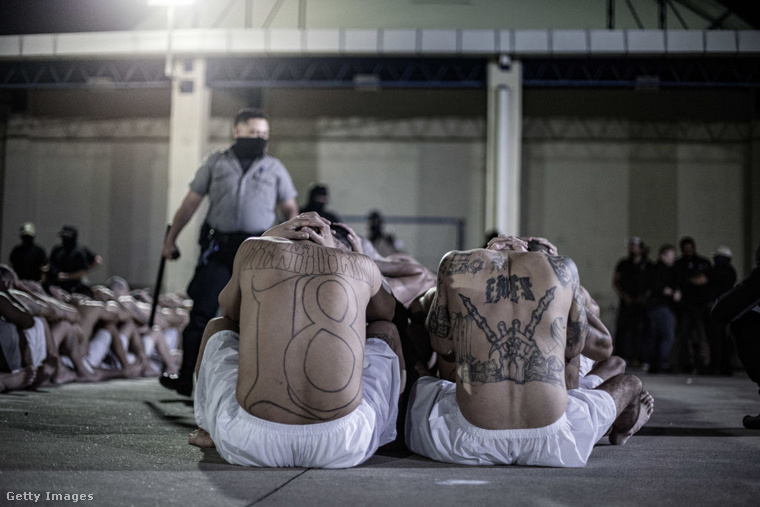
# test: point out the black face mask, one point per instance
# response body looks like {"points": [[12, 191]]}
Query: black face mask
{"points": [[249, 147]]}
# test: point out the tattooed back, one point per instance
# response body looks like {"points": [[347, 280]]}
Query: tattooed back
{"points": [[511, 319], [301, 309]]}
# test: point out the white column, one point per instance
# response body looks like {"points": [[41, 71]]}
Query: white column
{"points": [[503, 146], [190, 111]]}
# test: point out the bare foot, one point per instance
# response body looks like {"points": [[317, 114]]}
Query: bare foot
{"points": [[133, 370], [45, 371], [200, 438], [637, 420], [173, 363], [64, 375], [17, 380], [147, 369]]}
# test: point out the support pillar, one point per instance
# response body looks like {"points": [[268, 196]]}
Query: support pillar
{"points": [[188, 135], [503, 147]]}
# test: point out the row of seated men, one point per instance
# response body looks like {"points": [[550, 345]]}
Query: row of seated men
{"points": [[321, 356], [51, 336]]}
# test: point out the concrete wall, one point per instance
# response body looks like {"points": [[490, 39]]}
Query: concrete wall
{"points": [[588, 182]]}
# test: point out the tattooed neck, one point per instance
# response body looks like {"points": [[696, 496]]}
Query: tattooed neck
{"points": [[308, 259]]}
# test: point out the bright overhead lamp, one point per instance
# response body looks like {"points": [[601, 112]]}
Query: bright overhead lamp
{"points": [[170, 6], [171, 2]]}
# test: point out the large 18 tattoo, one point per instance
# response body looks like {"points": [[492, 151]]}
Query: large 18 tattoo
{"points": [[306, 259], [514, 354], [323, 332]]}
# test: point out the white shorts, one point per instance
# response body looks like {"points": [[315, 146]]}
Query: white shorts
{"points": [[590, 382], [35, 337], [243, 439], [436, 428], [100, 344], [171, 338], [586, 365]]}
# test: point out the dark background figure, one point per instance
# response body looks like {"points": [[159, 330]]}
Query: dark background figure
{"points": [[630, 282], [664, 294], [28, 258], [694, 273], [740, 309], [722, 280], [488, 236], [319, 198], [69, 263], [385, 244], [246, 187]]}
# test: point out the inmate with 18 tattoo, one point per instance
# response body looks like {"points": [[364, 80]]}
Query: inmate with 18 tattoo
{"points": [[302, 331]]}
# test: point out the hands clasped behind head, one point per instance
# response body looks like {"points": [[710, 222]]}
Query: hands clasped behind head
{"points": [[507, 242]]}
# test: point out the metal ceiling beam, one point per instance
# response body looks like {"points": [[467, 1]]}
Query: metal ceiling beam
{"points": [[385, 73], [642, 73]]}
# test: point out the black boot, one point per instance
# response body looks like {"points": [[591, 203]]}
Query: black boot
{"points": [[177, 382]]}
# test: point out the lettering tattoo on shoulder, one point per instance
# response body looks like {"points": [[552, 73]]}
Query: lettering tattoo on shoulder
{"points": [[307, 259], [460, 263], [471, 263], [514, 354], [324, 332]]}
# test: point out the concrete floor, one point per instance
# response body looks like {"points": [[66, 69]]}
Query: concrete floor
{"points": [[124, 443]]}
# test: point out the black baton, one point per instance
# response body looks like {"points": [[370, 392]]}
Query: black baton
{"points": [[159, 280]]}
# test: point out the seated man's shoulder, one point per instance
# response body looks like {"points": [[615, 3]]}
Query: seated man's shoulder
{"points": [[467, 260], [564, 269]]}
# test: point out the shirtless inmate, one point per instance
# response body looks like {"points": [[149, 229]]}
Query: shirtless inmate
{"points": [[310, 373], [512, 320]]}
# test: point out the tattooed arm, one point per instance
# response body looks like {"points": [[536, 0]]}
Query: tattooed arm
{"points": [[381, 306], [598, 344], [572, 372], [438, 321], [577, 326], [230, 298]]}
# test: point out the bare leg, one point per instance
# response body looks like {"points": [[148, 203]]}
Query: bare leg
{"points": [[60, 332], [171, 361], [609, 368], [633, 407], [63, 375], [46, 370], [19, 380], [117, 347], [201, 437], [72, 346], [135, 345], [130, 371]]}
